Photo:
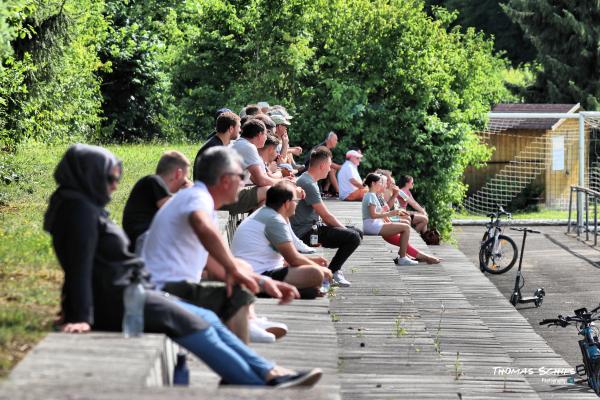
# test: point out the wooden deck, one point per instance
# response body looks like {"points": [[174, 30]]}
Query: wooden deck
{"points": [[426, 331]]}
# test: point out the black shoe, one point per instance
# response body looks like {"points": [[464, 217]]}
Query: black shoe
{"points": [[302, 378]]}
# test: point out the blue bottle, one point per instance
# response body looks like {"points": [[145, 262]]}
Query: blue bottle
{"points": [[181, 373], [134, 298]]}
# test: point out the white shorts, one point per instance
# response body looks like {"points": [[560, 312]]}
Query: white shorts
{"points": [[372, 226]]}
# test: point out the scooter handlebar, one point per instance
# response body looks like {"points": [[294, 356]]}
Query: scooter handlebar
{"points": [[525, 230]]}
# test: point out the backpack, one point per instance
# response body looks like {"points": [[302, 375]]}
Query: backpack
{"points": [[431, 237]]}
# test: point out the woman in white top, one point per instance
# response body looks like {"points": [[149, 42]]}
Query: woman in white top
{"points": [[376, 222]]}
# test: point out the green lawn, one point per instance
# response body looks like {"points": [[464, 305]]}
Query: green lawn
{"points": [[541, 215], [30, 277]]}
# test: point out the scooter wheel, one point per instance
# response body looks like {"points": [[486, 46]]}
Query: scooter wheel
{"points": [[538, 302], [513, 299]]}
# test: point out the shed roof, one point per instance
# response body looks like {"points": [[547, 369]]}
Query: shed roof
{"points": [[543, 124]]}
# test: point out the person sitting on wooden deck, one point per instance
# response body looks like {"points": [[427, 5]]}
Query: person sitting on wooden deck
{"points": [[184, 240], [419, 217], [349, 181], [265, 241], [93, 253], [376, 222], [150, 193], [310, 210]]}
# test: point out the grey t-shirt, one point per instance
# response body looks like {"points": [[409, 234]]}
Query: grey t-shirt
{"points": [[276, 229], [306, 215], [370, 198], [248, 152]]}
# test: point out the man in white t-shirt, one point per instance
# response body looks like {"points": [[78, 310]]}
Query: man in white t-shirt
{"points": [[253, 137], [184, 239], [349, 181], [265, 241]]}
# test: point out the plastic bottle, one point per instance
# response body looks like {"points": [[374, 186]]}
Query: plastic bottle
{"points": [[181, 372], [314, 236], [134, 298], [325, 286]]}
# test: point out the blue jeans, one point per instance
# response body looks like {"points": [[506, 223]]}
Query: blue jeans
{"points": [[224, 352]]}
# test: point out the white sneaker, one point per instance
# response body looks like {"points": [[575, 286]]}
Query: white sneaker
{"points": [[405, 261], [258, 334], [340, 279], [279, 329]]}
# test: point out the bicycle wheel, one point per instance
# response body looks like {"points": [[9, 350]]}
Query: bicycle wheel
{"points": [[482, 258], [501, 259]]}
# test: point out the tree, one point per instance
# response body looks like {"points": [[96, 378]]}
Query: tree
{"points": [[488, 16], [406, 88], [566, 35]]}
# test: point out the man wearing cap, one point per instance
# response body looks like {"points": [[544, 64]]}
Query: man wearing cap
{"points": [[350, 183], [227, 129]]}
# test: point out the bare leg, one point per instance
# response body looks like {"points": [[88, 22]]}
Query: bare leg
{"points": [[428, 258], [397, 228], [304, 276], [238, 324], [420, 222]]}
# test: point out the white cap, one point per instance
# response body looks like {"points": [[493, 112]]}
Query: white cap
{"points": [[353, 153]]}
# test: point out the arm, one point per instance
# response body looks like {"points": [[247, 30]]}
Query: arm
{"points": [[162, 201], [259, 177], [327, 216], [374, 214], [295, 259], [285, 143], [356, 183], [213, 242], [413, 203], [75, 245]]}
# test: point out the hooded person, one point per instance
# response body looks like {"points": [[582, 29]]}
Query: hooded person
{"points": [[93, 252]]}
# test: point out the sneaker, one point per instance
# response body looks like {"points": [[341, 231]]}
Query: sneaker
{"points": [[405, 261], [258, 334], [279, 329], [340, 279], [302, 378]]}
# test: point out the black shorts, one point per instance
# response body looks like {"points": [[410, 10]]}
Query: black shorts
{"points": [[277, 274], [211, 295]]}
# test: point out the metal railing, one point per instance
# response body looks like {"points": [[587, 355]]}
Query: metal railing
{"points": [[232, 224], [582, 221]]}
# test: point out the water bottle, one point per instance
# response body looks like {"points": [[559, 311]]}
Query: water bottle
{"points": [[181, 373], [314, 236], [134, 298], [325, 286]]}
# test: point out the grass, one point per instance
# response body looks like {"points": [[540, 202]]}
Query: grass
{"points": [[540, 215], [30, 277]]}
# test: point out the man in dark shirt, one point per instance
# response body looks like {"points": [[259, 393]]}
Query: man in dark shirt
{"points": [[228, 129], [330, 183], [151, 192]]}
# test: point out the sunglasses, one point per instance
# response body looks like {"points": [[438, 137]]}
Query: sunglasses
{"points": [[241, 175], [112, 179]]}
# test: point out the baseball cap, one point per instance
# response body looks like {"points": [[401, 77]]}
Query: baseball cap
{"points": [[221, 111], [353, 153], [263, 104], [278, 109], [279, 119]]}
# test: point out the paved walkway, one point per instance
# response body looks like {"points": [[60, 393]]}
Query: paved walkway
{"points": [[434, 331], [567, 268]]}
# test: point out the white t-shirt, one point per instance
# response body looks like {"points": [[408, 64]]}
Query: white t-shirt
{"points": [[249, 154], [347, 171], [256, 238], [172, 251]]}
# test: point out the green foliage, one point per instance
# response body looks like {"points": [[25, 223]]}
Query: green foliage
{"points": [[404, 87], [488, 16], [566, 36], [48, 87], [136, 82]]}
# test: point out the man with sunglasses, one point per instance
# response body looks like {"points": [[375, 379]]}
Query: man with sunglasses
{"points": [[265, 241], [184, 240]]}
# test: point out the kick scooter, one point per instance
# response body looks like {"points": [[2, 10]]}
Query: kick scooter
{"points": [[517, 297]]}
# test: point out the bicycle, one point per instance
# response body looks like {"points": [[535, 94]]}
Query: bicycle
{"points": [[589, 345], [497, 252]]}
